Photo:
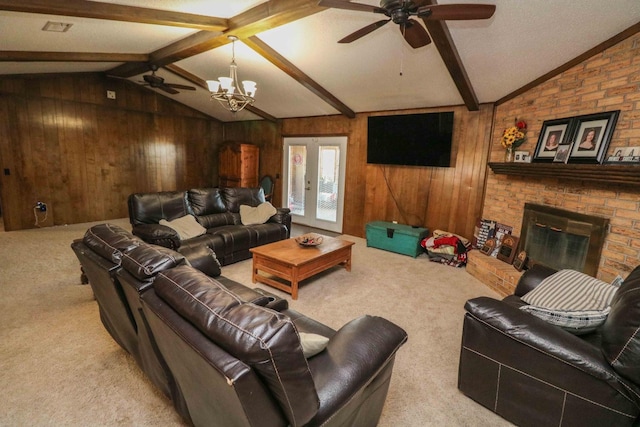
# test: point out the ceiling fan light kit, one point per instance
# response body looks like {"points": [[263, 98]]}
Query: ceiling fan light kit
{"points": [[226, 90]]}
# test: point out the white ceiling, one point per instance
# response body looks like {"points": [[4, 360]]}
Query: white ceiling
{"points": [[521, 42]]}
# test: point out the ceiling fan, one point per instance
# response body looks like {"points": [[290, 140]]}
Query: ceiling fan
{"points": [[157, 82], [401, 11]]}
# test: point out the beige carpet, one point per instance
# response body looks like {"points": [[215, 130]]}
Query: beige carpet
{"points": [[58, 365]]}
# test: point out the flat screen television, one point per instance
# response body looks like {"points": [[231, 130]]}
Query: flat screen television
{"points": [[410, 139]]}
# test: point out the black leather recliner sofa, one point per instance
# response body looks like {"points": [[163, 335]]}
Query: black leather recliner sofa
{"points": [[228, 355], [217, 210], [536, 374], [103, 252]]}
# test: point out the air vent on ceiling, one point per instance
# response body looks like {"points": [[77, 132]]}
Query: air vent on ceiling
{"points": [[56, 27]]}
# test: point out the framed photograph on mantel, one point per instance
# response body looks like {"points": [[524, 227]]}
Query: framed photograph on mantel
{"points": [[591, 136], [562, 153], [553, 134]]}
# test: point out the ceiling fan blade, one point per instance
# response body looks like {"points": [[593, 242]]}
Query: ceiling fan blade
{"points": [[167, 89], [177, 86], [363, 31], [415, 34], [341, 4], [452, 12]]}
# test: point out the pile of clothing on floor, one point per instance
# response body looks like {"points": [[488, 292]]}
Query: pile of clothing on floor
{"points": [[447, 248]]}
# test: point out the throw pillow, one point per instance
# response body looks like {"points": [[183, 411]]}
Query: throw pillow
{"points": [[186, 227], [258, 215], [576, 322], [312, 344], [571, 300]]}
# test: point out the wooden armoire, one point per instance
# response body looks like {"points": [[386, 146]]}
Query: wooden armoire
{"points": [[238, 165]]}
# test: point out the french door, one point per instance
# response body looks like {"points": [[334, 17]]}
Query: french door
{"points": [[314, 170]]}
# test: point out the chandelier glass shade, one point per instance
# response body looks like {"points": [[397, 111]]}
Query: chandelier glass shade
{"points": [[226, 90]]}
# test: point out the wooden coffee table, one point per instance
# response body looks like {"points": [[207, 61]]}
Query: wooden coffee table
{"points": [[291, 262]]}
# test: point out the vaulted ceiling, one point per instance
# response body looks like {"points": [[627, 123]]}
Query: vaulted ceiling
{"points": [[289, 47]]}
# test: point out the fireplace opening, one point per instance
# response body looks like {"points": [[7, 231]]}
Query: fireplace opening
{"points": [[561, 239]]}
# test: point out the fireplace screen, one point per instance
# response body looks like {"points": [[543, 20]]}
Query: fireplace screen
{"points": [[563, 239], [555, 248]]}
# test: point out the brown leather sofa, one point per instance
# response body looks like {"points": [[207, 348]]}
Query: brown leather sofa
{"points": [[536, 374], [228, 355], [217, 210]]}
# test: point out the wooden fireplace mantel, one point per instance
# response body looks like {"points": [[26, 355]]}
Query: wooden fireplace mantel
{"points": [[608, 173]]}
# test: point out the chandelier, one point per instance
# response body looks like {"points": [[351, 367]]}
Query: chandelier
{"points": [[226, 89]]}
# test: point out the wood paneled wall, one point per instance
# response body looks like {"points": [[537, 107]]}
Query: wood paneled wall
{"points": [[64, 143], [438, 198]]}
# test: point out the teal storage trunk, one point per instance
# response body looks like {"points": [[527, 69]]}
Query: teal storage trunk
{"points": [[398, 238]]}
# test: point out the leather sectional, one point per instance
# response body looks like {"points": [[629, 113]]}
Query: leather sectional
{"points": [[217, 210], [228, 355]]}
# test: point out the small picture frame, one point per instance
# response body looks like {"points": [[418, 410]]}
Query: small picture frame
{"points": [[488, 246], [508, 248], [562, 153], [625, 155], [522, 157], [520, 261], [552, 135], [591, 136]]}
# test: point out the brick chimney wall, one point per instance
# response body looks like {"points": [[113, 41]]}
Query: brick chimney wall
{"points": [[605, 82]]}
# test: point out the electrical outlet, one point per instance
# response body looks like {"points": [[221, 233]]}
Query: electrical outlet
{"points": [[111, 94]]}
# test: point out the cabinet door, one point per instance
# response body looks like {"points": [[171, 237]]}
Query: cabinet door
{"points": [[238, 165], [249, 165]]}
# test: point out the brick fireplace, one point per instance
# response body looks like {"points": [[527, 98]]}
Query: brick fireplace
{"points": [[606, 81], [554, 237]]}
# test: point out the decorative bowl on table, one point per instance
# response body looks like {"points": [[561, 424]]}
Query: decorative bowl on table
{"points": [[309, 239]]}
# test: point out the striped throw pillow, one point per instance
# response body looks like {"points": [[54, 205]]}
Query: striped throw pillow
{"points": [[571, 300]]}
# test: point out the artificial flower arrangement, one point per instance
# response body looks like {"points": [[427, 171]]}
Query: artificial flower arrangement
{"points": [[513, 137]]}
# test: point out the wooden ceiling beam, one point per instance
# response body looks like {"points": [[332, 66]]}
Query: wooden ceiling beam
{"points": [[181, 72], [441, 37], [116, 12], [285, 65], [265, 16], [27, 56]]}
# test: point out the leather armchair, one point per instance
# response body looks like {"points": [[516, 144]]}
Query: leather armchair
{"points": [[536, 374]]}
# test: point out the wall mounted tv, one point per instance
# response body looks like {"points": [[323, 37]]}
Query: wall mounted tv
{"points": [[410, 139]]}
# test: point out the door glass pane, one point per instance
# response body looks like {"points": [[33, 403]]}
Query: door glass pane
{"points": [[328, 174], [297, 174]]}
